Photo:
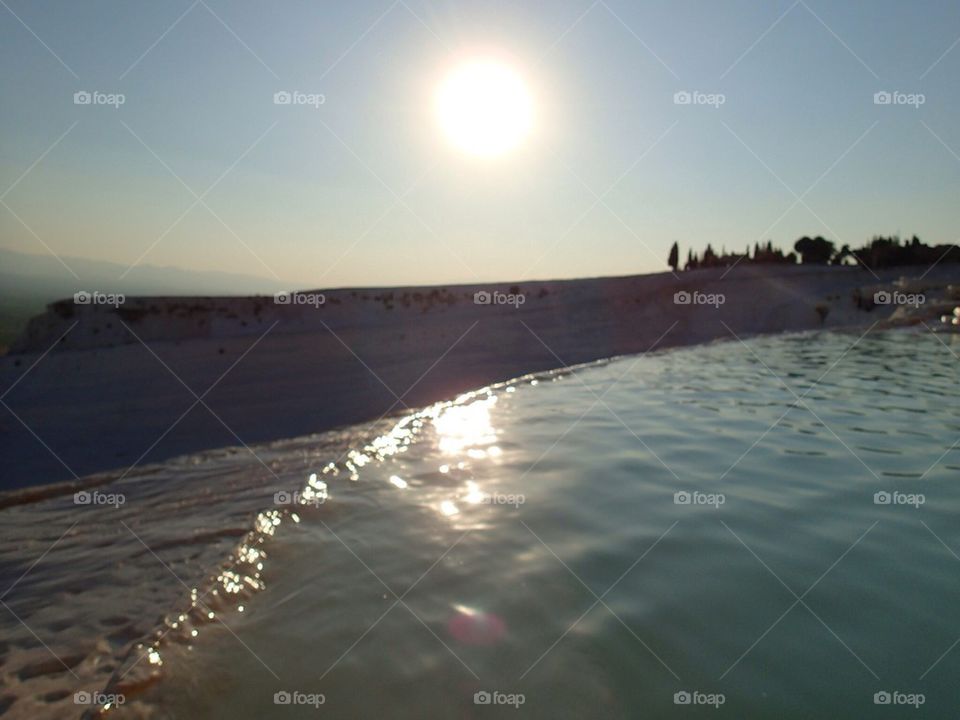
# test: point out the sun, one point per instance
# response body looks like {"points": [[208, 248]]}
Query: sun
{"points": [[484, 108]]}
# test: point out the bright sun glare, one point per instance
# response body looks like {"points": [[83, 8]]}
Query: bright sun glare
{"points": [[484, 108]]}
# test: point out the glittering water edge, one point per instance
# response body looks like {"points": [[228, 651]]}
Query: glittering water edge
{"points": [[241, 575]]}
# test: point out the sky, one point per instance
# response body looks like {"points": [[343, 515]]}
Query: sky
{"points": [[200, 169]]}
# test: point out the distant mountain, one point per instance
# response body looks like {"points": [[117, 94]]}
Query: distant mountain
{"points": [[43, 278], [29, 282]]}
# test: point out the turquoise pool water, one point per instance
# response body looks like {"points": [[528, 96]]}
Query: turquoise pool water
{"points": [[741, 530], [591, 544]]}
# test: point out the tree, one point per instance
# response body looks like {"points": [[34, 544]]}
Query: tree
{"points": [[842, 254], [814, 251], [674, 259], [709, 257]]}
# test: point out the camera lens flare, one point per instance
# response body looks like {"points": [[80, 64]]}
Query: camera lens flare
{"points": [[470, 626]]}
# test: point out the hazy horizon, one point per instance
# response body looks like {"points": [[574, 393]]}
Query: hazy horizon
{"points": [[362, 189]]}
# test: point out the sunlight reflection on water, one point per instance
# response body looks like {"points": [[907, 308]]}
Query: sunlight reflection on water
{"points": [[526, 522], [500, 516]]}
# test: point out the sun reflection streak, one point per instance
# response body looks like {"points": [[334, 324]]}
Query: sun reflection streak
{"points": [[463, 426], [466, 427], [474, 495]]}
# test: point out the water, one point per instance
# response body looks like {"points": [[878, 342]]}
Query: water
{"points": [[534, 540]]}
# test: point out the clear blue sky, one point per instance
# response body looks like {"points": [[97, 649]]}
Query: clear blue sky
{"points": [[303, 203]]}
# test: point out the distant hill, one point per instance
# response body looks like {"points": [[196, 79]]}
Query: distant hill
{"points": [[21, 273], [29, 282]]}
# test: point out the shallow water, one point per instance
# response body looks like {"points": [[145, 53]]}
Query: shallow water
{"points": [[529, 540]]}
